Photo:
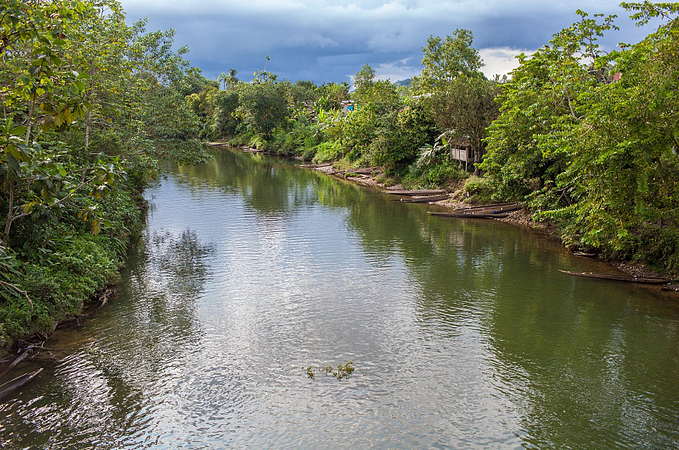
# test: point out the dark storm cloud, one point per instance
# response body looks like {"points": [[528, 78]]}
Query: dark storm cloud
{"points": [[323, 41]]}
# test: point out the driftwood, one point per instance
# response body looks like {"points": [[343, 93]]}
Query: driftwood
{"points": [[414, 193], [26, 353], [470, 216], [617, 277], [105, 296], [431, 198], [17, 383]]}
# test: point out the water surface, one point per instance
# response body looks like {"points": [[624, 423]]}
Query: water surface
{"points": [[463, 333]]}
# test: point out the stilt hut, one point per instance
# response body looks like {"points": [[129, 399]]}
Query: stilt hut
{"points": [[461, 150]]}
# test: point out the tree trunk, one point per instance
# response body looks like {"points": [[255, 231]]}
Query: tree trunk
{"points": [[10, 214], [88, 125], [30, 119]]}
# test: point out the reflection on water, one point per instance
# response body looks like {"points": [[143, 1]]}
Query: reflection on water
{"points": [[463, 333]]}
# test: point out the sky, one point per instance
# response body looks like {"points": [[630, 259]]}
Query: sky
{"points": [[329, 41]]}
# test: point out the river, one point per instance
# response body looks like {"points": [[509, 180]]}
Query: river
{"points": [[463, 333]]}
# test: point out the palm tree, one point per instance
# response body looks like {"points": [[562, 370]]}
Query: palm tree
{"points": [[223, 78], [231, 79]]}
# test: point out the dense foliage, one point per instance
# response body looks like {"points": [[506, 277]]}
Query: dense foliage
{"points": [[89, 103], [591, 139], [587, 138]]}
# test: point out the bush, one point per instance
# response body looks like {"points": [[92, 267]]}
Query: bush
{"points": [[479, 189], [328, 151]]}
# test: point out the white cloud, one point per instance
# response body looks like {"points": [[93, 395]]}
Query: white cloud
{"points": [[501, 60]]}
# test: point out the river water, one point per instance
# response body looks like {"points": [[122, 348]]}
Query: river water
{"points": [[462, 333]]}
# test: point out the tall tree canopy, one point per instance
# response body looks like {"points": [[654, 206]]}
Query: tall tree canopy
{"points": [[461, 98], [593, 138]]}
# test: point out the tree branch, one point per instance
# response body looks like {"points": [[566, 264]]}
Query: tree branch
{"points": [[18, 290]]}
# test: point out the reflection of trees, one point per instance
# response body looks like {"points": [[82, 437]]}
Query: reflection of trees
{"points": [[574, 358], [100, 391], [582, 362], [266, 186], [583, 367], [169, 274]]}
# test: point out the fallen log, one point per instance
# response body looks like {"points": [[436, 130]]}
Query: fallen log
{"points": [[414, 193], [26, 353], [618, 277], [18, 383], [431, 198]]}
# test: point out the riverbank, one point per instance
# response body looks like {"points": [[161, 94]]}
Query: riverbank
{"points": [[520, 217], [75, 268], [251, 270]]}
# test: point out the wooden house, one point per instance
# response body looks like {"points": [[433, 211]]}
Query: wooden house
{"points": [[461, 150]]}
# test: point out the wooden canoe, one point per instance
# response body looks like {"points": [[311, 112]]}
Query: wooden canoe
{"points": [[618, 277], [431, 198], [469, 216], [493, 205], [491, 209], [18, 383], [584, 254], [414, 193]]}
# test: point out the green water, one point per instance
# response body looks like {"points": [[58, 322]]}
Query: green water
{"points": [[463, 333]]}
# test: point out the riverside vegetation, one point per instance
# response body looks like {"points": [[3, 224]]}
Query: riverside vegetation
{"points": [[88, 106], [589, 140]]}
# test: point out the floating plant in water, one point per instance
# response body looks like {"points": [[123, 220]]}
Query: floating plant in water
{"points": [[342, 370]]}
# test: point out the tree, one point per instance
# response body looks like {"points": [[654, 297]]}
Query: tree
{"points": [[382, 94], [591, 139], [39, 82], [447, 59], [231, 80], [461, 98], [364, 80], [263, 106], [222, 79]]}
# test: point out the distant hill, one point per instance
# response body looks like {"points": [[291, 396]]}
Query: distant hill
{"points": [[405, 83]]}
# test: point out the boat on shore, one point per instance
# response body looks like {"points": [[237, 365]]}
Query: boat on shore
{"points": [[618, 277], [18, 383]]}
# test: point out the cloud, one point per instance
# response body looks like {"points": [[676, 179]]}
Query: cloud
{"points": [[326, 40], [501, 60]]}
